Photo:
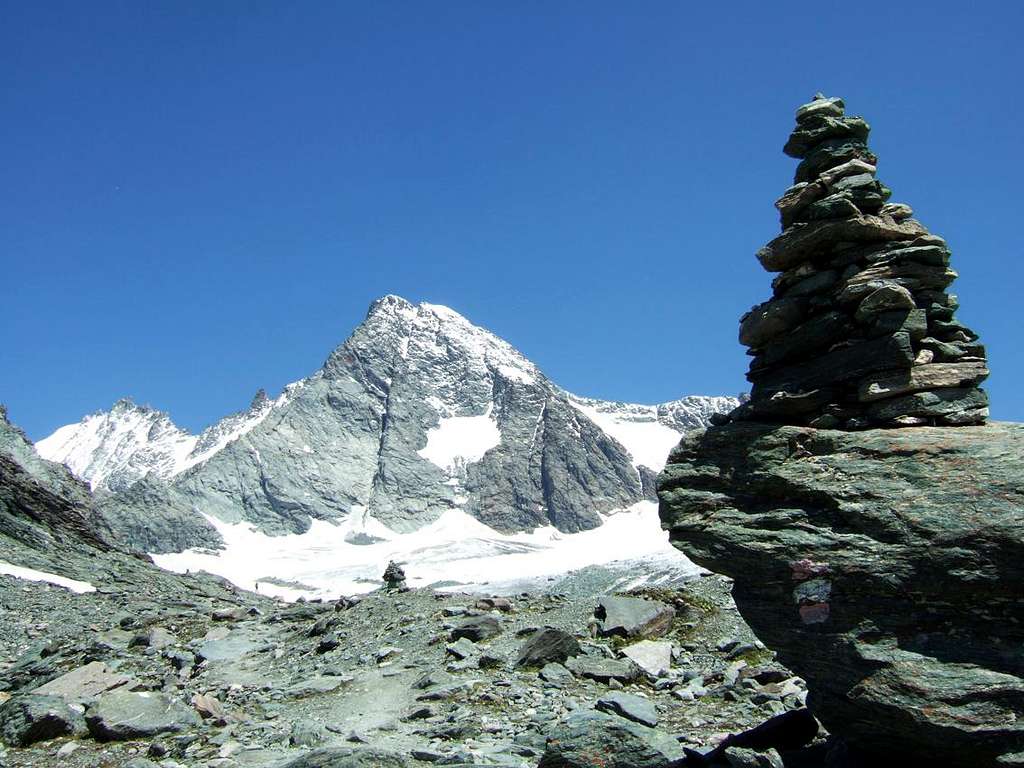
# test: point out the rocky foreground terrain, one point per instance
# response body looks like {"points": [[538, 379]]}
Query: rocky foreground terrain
{"points": [[199, 674], [143, 667]]}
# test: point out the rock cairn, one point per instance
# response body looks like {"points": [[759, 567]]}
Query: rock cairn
{"points": [[394, 576], [860, 331]]}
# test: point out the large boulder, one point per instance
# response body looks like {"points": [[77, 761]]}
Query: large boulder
{"points": [[589, 739], [83, 683], [635, 708], [31, 717], [652, 656], [344, 757], [883, 566], [547, 646], [632, 616], [122, 715], [477, 629]]}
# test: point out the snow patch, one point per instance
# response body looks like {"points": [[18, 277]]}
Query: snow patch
{"points": [[516, 374], [460, 440], [30, 574], [635, 427]]}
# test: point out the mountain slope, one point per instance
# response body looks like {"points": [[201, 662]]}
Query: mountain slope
{"points": [[417, 414]]}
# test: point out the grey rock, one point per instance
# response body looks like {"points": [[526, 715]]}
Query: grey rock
{"points": [[820, 105], [122, 715], [344, 757], [29, 718], [812, 129], [830, 154], [633, 616], [816, 335], [314, 685], [159, 638], [432, 679], [635, 708], [887, 297], [942, 406], [502, 604], [210, 707], [770, 320], [477, 629], [328, 643], [463, 648], [588, 736], [881, 567], [799, 241], [228, 648], [737, 757], [922, 377], [83, 683], [652, 656], [306, 734], [548, 645], [602, 669], [556, 674]]}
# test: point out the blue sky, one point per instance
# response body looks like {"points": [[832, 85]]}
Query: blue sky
{"points": [[200, 199]]}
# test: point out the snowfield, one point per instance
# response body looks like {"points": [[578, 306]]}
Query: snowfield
{"points": [[30, 574], [460, 440], [635, 427], [456, 550]]}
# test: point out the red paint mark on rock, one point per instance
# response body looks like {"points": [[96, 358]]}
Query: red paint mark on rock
{"points": [[814, 613], [808, 569]]}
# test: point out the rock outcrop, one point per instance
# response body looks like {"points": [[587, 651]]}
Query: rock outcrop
{"points": [[860, 330], [883, 566]]}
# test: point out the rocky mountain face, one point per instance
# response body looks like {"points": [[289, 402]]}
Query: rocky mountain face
{"points": [[883, 565], [419, 412], [860, 329], [44, 510]]}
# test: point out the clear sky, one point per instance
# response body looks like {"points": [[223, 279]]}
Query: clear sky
{"points": [[198, 199]]}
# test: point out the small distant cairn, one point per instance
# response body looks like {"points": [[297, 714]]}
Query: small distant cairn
{"points": [[860, 331], [394, 576]]}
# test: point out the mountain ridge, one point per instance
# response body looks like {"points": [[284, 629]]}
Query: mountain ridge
{"points": [[418, 412]]}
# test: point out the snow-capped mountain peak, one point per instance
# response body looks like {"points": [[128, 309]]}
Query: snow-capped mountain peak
{"points": [[418, 414], [118, 446], [112, 449]]}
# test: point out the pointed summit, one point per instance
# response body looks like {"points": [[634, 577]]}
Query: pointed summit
{"points": [[390, 304], [260, 400], [859, 331]]}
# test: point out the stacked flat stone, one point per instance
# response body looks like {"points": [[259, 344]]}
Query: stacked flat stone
{"points": [[860, 331]]}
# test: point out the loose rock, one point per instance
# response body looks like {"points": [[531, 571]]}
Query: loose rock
{"points": [[122, 715]]}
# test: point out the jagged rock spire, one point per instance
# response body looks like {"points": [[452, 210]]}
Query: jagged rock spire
{"points": [[859, 331]]}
